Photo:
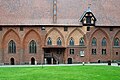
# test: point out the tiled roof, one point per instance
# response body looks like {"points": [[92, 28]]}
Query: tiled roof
{"points": [[107, 12]]}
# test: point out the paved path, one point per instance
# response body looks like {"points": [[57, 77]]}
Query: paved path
{"points": [[96, 64]]}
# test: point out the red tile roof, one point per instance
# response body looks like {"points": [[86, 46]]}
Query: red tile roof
{"points": [[107, 12]]}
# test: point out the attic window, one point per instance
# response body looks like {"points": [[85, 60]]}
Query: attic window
{"points": [[88, 19]]}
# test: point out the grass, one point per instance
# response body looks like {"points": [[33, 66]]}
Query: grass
{"points": [[60, 73]]}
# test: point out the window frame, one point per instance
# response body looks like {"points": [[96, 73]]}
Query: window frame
{"points": [[82, 41], [12, 47], [94, 41], [72, 51], [59, 42], [116, 42], [71, 42], [49, 41], [104, 51], [32, 47], [104, 42], [94, 51]]}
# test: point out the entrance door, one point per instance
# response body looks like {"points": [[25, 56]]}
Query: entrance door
{"points": [[32, 61], [48, 60], [69, 60], [12, 61]]}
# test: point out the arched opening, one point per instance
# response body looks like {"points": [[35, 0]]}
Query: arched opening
{"points": [[12, 61], [71, 42], [32, 61], [98, 61], [69, 60]]}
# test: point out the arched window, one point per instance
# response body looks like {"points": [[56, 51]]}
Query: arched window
{"points": [[82, 41], [116, 42], [49, 42], [32, 47], [11, 47], [94, 42], [104, 43], [71, 42], [59, 42]]}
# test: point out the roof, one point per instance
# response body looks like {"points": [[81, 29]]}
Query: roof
{"points": [[107, 12]]}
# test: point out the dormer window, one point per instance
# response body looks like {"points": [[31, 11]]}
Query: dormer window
{"points": [[88, 19]]}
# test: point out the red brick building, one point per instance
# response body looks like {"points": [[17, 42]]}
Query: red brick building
{"points": [[59, 31]]}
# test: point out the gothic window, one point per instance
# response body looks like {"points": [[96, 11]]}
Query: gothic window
{"points": [[11, 47], [71, 42], [49, 42], [32, 47], [82, 41], [116, 42], [94, 42], [59, 42], [104, 43]]}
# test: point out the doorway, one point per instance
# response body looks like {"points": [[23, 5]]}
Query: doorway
{"points": [[49, 61], [12, 61], [32, 61], [69, 60]]}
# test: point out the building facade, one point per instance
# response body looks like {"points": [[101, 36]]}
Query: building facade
{"points": [[59, 33], [52, 45]]}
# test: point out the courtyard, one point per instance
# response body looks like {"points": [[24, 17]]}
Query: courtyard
{"points": [[60, 72]]}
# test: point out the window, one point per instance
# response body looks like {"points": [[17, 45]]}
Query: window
{"points": [[103, 51], [11, 47], [59, 42], [32, 47], [111, 29], [94, 42], [94, 51], [71, 51], [82, 41], [65, 28], [116, 53], [88, 19], [104, 42], [81, 53], [21, 28], [88, 28], [49, 42], [42, 28], [116, 42], [0, 28], [71, 43]]}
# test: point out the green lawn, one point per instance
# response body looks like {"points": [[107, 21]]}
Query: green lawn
{"points": [[61, 73]]}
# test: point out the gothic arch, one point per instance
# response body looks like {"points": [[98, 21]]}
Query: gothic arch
{"points": [[38, 35], [106, 35], [117, 33], [7, 33], [116, 37], [55, 29], [80, 31]]}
